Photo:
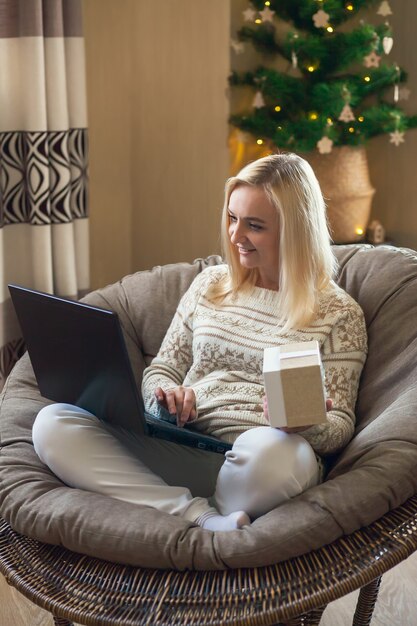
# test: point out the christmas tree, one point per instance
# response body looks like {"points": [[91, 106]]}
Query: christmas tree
{"points": [[339, 86]]}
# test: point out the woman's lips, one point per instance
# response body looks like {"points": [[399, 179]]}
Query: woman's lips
{"points": [[245, 250]]}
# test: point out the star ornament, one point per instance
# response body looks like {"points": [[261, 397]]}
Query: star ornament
{"points": [[396, 138], [267, 15], [321, 19], [249, 14], [325, 145], [372, 60], [237, 46]]}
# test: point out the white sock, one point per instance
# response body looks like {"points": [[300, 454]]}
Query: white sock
{"points": [[212, 520]]}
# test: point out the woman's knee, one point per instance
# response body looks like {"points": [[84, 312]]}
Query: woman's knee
{"points": [[54, 428], [265, 467]]}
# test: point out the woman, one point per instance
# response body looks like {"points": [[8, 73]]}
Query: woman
{"points": [[275, 288]]}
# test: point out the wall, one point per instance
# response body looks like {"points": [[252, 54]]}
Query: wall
{"points": [[180, 128], [108, 66], [158, 108], [392, 169]]}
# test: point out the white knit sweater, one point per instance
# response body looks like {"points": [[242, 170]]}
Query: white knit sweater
{"points": [[218, 351]]}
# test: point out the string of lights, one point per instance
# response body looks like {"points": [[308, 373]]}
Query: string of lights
{"points": [[340, 86]]}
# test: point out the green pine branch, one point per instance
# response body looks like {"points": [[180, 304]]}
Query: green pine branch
{"points": [[299, 94], [303, 133], [325, 72], [337, 51], [300, 12], [328, 54]]}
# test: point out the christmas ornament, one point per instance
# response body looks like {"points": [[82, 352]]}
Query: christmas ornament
{"points": [[294, 59], [384, 9], [375, 233], [387, 44], [258, 80], [372, 60], [249, 14], [404, 93], [396, 138], [325, 145], [321, 19], [242, 137], [396, 84], [258, 101], [347, 114], [318, 72], [237, 46], [267, 15]]}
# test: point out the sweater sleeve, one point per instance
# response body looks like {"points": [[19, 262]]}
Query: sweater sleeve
{"points": [[170, 366], [343, 355]]}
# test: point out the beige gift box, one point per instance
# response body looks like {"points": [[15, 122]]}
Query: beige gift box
{"points": [[294, 384]]}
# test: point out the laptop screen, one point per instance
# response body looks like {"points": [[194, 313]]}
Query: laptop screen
{"points": [[79, 356]]}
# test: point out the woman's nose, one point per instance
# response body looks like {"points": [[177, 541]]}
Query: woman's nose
{"points": [[236, 233]]}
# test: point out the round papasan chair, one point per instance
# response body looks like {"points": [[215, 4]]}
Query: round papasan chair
{"points": [[100, 561]]}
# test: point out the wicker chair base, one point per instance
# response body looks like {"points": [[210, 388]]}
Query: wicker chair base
{"points": [[58, 621], [78, 588]]}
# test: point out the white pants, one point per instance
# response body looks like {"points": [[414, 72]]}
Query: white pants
{"points": [[264, 468]]}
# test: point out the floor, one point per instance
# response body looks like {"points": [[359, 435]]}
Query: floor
{"points": [[397, 603]]}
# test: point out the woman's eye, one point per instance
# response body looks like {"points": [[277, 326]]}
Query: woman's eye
{"points": [[255, 226], [232, 218]]}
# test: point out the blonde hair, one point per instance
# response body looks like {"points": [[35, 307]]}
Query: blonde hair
{"points": [[306, 261]]}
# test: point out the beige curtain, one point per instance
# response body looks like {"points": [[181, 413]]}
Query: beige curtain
{"points": [[43, 157]]}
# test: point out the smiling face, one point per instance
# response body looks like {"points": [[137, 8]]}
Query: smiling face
{"points": [[254, 231]]}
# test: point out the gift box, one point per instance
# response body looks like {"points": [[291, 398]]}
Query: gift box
{"points": [[293, 376]]}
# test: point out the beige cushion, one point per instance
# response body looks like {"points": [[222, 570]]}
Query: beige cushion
{"points": [[375, 473]]}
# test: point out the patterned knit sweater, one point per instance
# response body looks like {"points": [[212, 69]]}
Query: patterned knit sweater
{"points": [[217, 349]]}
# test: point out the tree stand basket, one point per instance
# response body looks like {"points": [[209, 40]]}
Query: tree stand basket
{"points": [[343, 175]]}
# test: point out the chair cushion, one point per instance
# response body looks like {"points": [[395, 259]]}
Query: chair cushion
{"points": [[376, 472]]}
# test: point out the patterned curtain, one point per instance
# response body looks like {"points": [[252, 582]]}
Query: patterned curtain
{"points": [[43, 157]]}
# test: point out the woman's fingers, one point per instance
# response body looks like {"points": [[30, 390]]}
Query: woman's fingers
{"points": [[265, 403], [179, 401], [171, 401], [185, 412], [160, 396], [329, 404]]}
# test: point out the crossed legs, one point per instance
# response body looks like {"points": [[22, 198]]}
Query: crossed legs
{"points": [[264, 468]]}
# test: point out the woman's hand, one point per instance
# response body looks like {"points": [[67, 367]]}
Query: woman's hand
{"points": [[329, 406], [179, 401]]}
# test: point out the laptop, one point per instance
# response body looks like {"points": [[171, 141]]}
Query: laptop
{"points": [[79, 356]]}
